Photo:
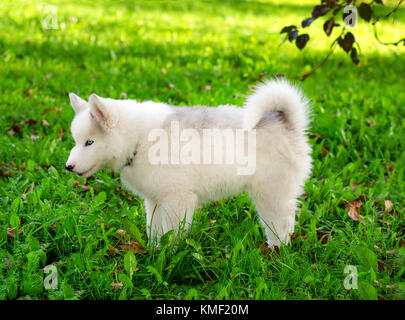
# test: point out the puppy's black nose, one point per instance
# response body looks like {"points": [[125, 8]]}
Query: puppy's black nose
{"points": [[69, 167]]}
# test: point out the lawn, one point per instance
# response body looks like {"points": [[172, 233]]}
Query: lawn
{"points": [[91, 233]]}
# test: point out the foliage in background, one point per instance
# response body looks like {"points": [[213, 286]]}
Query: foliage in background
{"points": [[345, 11]]}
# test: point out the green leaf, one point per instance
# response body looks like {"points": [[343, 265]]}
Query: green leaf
{"points": [[12, 287], [14, 221], [16, 205], [130, 263], [167, 238], [126, 281], [30, 165], [261, 287], [100, 198], [32, 284], [191, 294], [33, 244], [53, 172], [156, 273], [198, 256], [134, 232], [223, 294], [33, 261], [67, 290], [367, 291], [367, 258], [236, 251], [128, 286], [161, 260]]}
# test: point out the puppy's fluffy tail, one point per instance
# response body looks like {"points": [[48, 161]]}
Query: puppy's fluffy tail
{"points": [[277, 95]]}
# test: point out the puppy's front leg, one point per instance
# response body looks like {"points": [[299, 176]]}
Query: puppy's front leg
{"points": [[173, 212], [177, 210]]}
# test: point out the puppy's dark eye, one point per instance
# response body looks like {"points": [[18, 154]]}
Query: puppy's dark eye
{"points": [[89, 143]]}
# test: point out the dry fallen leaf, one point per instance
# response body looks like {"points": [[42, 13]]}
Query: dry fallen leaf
{"points": [[121, 232], [133, 246], [33, 138], [388, 205], [355, 185], [5, 174], [116, 285], [212, 281], [353, 209], [8, 262], [294, 236], [24, 195], [83, 187], [16, 128], [112, 251], [390, 166], [11, 232], [324, 151], [262, 74], [316, 135], [266, 250], [392, 252], [31, 121], [383, 265], [324, 236]]}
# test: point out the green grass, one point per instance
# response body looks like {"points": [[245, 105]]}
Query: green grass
{"points": [[139, 48]]}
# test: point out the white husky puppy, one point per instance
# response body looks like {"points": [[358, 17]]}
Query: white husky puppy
{"points": [[122, 135]]}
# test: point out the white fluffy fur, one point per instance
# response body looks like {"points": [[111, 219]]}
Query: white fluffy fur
{"points": [[172, 192]]}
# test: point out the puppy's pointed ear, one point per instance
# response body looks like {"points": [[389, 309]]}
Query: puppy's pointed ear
{"points": [[76, 102], [101, 112]]}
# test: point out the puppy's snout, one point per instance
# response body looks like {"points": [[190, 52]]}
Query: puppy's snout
{"points": [[69, 167]]}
